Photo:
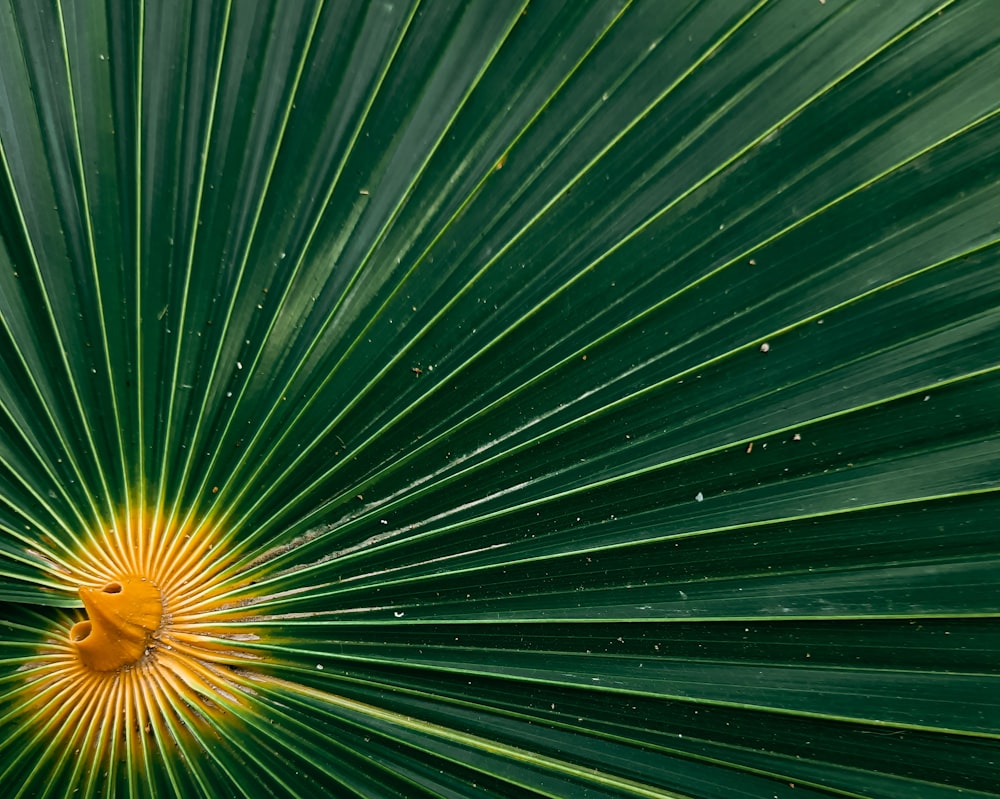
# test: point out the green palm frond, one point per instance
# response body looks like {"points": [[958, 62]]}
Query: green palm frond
{"points": [[504, 399]]}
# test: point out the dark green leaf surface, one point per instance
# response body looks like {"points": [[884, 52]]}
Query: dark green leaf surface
{"points": [[589, 399]]}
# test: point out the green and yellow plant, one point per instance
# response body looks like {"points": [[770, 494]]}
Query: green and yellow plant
{"points": [[442, 399]]}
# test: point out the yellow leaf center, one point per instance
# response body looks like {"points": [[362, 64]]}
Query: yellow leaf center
{"points": [[123, 616]]}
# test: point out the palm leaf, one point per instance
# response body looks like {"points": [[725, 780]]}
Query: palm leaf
{"points": [[565, 399]]}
